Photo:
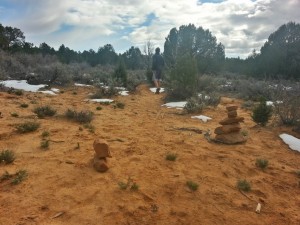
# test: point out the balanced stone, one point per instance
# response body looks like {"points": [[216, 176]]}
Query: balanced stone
{"points": [[232, 114], [100, 165], [231, 120], [232, 138], [101, 148], [231, 107], [226, 129]]}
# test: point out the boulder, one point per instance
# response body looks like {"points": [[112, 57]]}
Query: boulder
{"points": [[232, 138], [226, 129]]}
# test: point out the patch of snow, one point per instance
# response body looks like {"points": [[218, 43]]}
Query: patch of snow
{"points": [[270, 103], [202, 117], [101, 100], [48, 92], [205, 97], [22, 84], [179, 105], [291, 141], [154, 90], [82, 85], [124, 93], [55, 89]]}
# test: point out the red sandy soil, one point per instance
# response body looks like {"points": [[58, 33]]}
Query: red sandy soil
{"points": [[62, 186]]}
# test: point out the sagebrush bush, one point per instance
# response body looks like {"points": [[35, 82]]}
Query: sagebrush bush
{"points": [[44, 111], [262, 113], [7, 156], [243, 185], [81, 117], [262, 163], [194, 105], [27, 127]]}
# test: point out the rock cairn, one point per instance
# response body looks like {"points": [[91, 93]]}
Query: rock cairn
{"points": [[229, 132], [101, 153]]}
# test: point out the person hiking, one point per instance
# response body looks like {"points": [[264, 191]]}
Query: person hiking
{"points": [[157, 65]]}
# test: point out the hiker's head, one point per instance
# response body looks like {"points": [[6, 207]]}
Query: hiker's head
{"points": [[157, 50]]}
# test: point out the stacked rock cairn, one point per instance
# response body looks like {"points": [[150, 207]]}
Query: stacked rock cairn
{"points": [[229, 132], [101, 153]]}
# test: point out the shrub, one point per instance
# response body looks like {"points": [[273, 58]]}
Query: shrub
{"points": [[262, 163], [194, 105], [27, 127], [7, 156], [262, 113], [181, 80], [5, 176], [171, 156], [45, 134], [44, 111], [18, 92], [81, 117], [45, 144], [212, 100], [98, 108], [243, 185], [20, 176], [90, 127], [24, 105], [120, 73], [120, 105], [192, 185], [134, 187]]}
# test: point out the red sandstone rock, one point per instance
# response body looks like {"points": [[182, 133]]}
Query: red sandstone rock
{"points": [[232, 138], [232, 114], [226, 129], [100, 165], [231, 107], [101, 148], [231, 120]]}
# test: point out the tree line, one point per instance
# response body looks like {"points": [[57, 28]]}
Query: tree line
{"points": [[279, 57]]}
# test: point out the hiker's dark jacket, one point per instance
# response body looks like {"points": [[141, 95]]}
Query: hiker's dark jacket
{"points": [[157, 62]]}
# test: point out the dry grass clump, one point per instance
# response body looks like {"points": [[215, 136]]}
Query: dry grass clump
{"points": [[7, 156], [243, 185], [27, 127], [44, 111]]}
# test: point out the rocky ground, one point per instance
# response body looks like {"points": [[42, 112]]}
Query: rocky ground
{"points": [[62, 187]]}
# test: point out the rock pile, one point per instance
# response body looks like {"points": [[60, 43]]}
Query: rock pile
{"points": [[229, 132], [101, 153]]}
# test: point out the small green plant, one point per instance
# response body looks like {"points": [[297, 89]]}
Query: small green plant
{"points": [[243, 185], [192, 185], [27, 127], [298, 173], [171, 156], [134, 187], [194, 105], [262, 163], [99, 108], [45, 144], [90, 127], [45, 134], [14, 114], [244, 133], [20, 176], [44, 111], [7, 156], [262, 113], [24, 105]]}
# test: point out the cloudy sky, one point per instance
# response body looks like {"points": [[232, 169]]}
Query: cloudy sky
{"points": [[241, 25]]}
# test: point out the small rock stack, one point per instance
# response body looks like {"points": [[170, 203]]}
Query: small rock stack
{"points": [[101, 152], [229, 132]]}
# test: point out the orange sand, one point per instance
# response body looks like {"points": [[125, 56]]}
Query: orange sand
{"points": [[62, 179]]}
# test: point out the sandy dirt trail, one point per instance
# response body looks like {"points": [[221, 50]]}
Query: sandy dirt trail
{"points": [[62, 186]]}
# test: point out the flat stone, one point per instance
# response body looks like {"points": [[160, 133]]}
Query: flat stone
{"points": [[101, 148], [231, 107], [100, 165], [232, 138], [231, 120], [232, 114], [226, 129]]}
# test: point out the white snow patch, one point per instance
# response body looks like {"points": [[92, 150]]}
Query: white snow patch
{"points": [[82, 85], [205, 97], [48, 92], [22, 84], [55, 89], [101, 100], [270, 103], [124, 93], [291, 141], [179, 105], [154, 90], [202, 117]]}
